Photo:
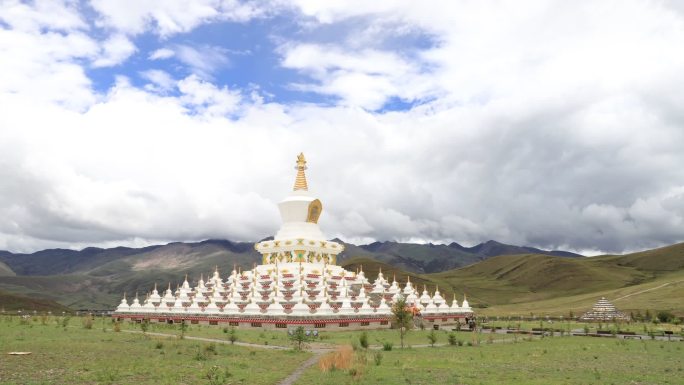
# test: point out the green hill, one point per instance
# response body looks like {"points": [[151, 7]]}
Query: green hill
{"points": [[507, 284], [13, 302], [6, 271], [519, 284]]}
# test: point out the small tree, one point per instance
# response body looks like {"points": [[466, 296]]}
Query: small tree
{"points": [[232, 336], [144, 325], [452, 339], [299, 337], [402, 317], [665, 316], [363, 340], [432, 337], [183, 328]]}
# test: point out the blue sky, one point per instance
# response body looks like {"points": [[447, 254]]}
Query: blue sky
{"points": [[249, 55], [548, 124]]}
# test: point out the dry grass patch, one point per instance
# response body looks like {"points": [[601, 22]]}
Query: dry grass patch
{"points": [[341, 359]]}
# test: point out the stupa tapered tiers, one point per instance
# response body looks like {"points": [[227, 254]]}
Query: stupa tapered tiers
{"points": [[298, 282], [603, 310]]}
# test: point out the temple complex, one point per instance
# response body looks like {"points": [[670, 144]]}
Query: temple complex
{"points": [[297, 283], [603, 310]]}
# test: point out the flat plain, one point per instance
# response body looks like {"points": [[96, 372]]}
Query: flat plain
{"points": [[75, 351]]}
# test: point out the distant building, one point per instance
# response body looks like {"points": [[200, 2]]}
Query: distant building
{"points": [[603, 310], [298, 283]]}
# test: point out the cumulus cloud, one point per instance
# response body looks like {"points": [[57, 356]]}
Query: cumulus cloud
{"points": [[169, 17], [367, 78], [115, 50], [40, 54], [537, 124]]}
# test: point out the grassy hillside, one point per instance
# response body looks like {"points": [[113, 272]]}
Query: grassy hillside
{"points": [[520, 284], [12, 302], [6, 271], [506, 283], [664, 293], [661, 260]]}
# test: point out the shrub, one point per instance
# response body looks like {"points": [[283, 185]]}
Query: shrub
{"points": [[432, 337], [215, 377], [665, 316], [363, 340], [232, 337], [387, 346], [377, 357], [87, 322], [199, 355], [211, 348], [159, 345], [452, 339], [117, 326]]}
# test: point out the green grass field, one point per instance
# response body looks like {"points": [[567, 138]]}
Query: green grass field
{"points": [[559, 360], [78, 355], [75, 355]]}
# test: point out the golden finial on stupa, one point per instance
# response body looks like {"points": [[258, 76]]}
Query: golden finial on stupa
{"points": [[300, 180]]}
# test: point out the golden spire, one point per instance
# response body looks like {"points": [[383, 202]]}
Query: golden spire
{"points": [[300, 181]]}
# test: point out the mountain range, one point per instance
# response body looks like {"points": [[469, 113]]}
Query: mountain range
{"points": [[497, 277]]}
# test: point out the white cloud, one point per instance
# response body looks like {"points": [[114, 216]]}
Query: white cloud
{"points": [[549, 127], [43, 66], [160, 80], [52, 14], [161, 53], [367, 78], [115, 50], [206, 98], [168, 17], [202, 60]]}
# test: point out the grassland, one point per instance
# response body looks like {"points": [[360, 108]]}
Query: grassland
{"points": [[546, 285], [76, 355], [376, 338], [560, 360]]}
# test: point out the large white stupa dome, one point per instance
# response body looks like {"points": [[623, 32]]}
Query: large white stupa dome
{"points": [[297, 283]]}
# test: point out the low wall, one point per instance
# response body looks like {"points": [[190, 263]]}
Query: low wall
{"points": [[283, 323]]}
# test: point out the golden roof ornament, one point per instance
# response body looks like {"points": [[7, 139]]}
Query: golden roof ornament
{"points": [[300, 180]]}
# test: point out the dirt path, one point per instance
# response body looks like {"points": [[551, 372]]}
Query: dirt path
{"points": [[647, 290], [215, 340], [317, 349], [294, 376]]}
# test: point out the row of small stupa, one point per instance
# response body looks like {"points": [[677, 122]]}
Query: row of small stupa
{"points": [[298, 276], [298, 292]]}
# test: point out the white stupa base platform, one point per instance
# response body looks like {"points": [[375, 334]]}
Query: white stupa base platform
{"points": [[313, 321]]}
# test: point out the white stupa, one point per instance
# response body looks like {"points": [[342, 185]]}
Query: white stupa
{"points": [[298, 282]]}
